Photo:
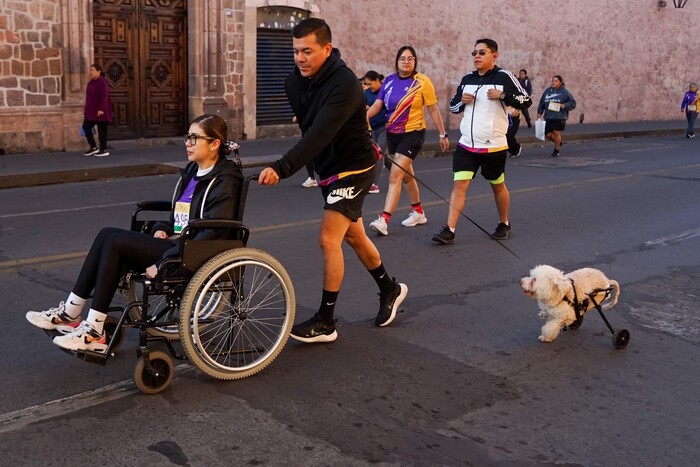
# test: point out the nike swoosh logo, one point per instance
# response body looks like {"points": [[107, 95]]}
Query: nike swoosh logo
{"points": [[71, 302], [330, 304]]}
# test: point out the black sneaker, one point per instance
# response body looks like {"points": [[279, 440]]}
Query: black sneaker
{"points": [[101, 153], [314, 330], [389, 303], [516, 154], [502, 232], [445, 236], [91, 151], [555, 153]]}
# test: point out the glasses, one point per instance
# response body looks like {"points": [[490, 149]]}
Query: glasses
{"points": [[407, 59], [191, 138], [481, 52]]}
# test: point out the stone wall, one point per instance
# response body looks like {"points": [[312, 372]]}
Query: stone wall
{"points": [[623, 61], [31, 73], [626, 60]]}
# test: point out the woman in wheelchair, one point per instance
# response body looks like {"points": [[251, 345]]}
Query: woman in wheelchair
{"points": [[209, 188]]}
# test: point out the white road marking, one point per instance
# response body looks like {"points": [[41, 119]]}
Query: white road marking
{"points": [[673, 239], [19, 419], [57, 211]]}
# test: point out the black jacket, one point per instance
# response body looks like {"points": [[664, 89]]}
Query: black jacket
{"points": [[216, 196], [330, 110]]}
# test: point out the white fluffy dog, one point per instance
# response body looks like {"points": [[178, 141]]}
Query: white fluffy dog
{"points": [[557, 293]]}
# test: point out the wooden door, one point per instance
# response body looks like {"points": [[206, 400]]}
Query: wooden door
{"points": [[141, 46]]}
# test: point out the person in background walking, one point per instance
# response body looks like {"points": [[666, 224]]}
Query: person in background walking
{"points": [[310, 182], [514, 148], [483, 96], [689, 105], [403, 97], [98, 111], [555, 104], [526, 84], [372, 82]]}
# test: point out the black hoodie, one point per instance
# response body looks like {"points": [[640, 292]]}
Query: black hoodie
{"points": [[216, 196], [330, 110]]}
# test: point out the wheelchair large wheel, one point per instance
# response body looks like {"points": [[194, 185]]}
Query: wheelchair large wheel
{"points": [[133, 292], [254, 313]]}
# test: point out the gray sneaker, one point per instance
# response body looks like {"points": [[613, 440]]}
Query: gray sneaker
{"points": [[445, 236], [502, 232]]}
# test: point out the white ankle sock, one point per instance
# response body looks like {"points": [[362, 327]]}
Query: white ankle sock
{"points": [[74, 305], [96, 319]]}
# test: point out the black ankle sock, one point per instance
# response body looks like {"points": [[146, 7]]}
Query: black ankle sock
{"points": [[325, 311], [385, 283]]}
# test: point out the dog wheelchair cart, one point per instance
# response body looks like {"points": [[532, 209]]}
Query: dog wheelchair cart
{"points": [[620, 338], [231, 307]]}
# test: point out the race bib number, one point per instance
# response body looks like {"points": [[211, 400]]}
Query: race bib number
{"points": [[554, 106], [182, 216]]}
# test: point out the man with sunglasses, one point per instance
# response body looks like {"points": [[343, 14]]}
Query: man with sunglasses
{"points": [[329, 104], [484, 96]]}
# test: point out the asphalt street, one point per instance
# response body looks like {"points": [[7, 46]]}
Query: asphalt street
{"points": [[460, 377]]}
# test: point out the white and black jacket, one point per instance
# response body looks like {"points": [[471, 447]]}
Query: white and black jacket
{"points": [[485, 122]]}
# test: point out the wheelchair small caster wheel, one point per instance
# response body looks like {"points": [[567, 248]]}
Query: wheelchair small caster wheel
{"points": [[621, 338], [576, 324], [113, 333], [157, 380]]}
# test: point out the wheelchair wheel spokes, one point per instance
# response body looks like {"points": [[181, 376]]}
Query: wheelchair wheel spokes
{"points": [[244, 303]]}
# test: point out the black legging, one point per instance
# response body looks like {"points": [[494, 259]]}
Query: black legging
{"points": [[112, 251], [88, 125]]}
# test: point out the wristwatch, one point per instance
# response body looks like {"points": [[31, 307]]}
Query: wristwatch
{"points": [[443, 135]]}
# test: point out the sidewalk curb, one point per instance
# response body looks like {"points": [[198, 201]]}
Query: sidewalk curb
{"points": [[430, 149]]}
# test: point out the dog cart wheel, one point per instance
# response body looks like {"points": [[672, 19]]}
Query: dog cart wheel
{"points": [[621, 338], [154, 372]]}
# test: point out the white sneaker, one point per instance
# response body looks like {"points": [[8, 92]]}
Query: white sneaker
{"points": [[379, 226], [414, 219], [310, 183], [85, 337], [54, 319]]}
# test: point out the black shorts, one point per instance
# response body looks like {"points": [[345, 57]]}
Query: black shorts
{"points": [[551, 125], [407, 144], [465, 164], [347, 195]]}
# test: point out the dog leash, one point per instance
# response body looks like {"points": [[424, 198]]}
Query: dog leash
{"points": [[476, 224]]}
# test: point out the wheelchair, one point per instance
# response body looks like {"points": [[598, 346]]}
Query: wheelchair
{"points": [[229, 307]]}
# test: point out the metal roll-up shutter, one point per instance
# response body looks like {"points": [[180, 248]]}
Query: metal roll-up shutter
{"points": [[275, 62]]}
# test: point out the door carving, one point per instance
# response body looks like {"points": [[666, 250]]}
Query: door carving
{"points": [[141, 46]]}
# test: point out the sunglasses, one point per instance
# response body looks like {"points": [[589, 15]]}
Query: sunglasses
{"points": [[192, 138], [481, 52]]}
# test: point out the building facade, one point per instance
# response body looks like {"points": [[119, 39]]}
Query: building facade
{"points": [[168, 61]]}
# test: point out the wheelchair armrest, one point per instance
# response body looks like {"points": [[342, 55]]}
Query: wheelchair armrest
{"points": [[214, 224], [154, 205], [138, 225]]}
